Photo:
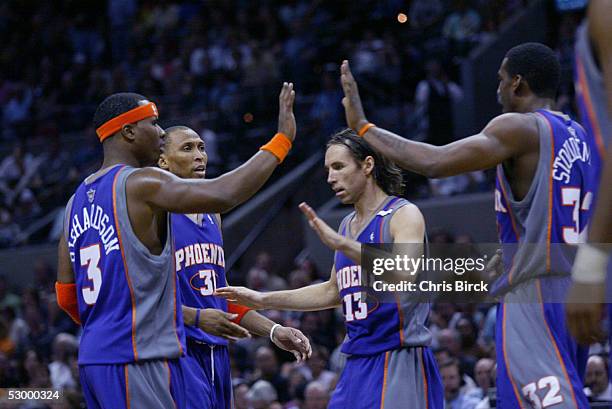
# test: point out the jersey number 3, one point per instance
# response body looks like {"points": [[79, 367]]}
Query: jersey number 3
{"points": [[90, 257]]}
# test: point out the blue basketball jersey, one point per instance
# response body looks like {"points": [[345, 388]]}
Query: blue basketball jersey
{"points": [[374, 326], [127, 297], [557, 207], [200, 265]]}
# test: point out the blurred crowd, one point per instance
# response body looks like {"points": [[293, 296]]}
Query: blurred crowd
{"points": [[217, 66]]}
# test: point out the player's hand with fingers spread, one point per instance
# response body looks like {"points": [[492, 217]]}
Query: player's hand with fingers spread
{"points": [[294, 341], [219, 323], [353, 109], [286, 118], [328, 236], [584, 312], [243, 296]]}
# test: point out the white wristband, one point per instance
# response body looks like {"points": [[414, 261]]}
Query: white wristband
{"points": [[590, 265], [272, 331]]}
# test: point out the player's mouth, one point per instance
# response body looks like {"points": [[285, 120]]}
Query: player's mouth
{"points": [[200, 170], [339, 192]]}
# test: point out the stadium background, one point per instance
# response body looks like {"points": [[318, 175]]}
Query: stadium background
{"points": [[217, 66]]}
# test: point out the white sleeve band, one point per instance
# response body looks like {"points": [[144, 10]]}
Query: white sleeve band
{"points": [[272, 331], [590, 265]]}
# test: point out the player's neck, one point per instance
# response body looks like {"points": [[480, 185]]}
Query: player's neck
{"points": [[534, 103], [369, 202], [116, 157]]}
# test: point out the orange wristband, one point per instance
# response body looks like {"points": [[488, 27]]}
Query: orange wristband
{"points": [[241, 310], [67, 299], [278, 146], [365, 128]]}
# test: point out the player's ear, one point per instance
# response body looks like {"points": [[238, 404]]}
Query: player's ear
{"points": [[162, 162], [368, 165], [128, 132], [516, 82]]}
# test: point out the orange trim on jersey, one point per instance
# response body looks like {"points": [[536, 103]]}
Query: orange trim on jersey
{"points": [[550, 193], [384, 385], [424, 379], [397, 303], [127, 387], [552, 339], [512, 222], [583, 86], [178, 341], [125, 267], [503, 345], [170, 382]]}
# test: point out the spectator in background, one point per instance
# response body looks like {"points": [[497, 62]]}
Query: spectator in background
{"points": [[9, 230], [7, 298], [316, 368], [483, 372], [241, 390], [425, 13], [316, 396], [65, 347], [326, 115], [597, 380], [261, 395], [461, 27], [267, 369], [455, 397]]}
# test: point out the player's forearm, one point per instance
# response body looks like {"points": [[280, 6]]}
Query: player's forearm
{"points": [[256, 323], [311, 298], [351, 249], [189, 315], [417, 157], [242, 183], [600, 227]]}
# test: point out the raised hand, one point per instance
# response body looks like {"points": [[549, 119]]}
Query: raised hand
{"points": [[328, 236], [353, 109], [286, 119], [217, 322], [294, 341], [242, 295], [584, 312]]}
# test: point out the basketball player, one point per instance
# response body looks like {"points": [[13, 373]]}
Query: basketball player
{"points": [[116, 269], [390, 364], [545, 176], [200, 265], [594, 97]]}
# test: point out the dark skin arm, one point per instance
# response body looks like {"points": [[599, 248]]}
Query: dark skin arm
{"points": [[508, 136], [152, 192], [65, 274]]}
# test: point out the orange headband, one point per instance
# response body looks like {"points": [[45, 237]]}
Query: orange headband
{"points": [[134, 115]]}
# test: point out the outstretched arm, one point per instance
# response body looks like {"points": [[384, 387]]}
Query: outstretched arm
{"points": [[506, 136], [164, 191], [310, 298], [286, 338]]}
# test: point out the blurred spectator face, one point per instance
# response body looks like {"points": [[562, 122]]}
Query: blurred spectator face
{"points": [[265, 361], [298, 279], [347, 178], [450, 340], [240, 399], [482, 373], [296, 378], [596, 377], [316, 396], [466, 331], [441, 356], [317, 361], [451, 379], [310, 323], [261, 395]]}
